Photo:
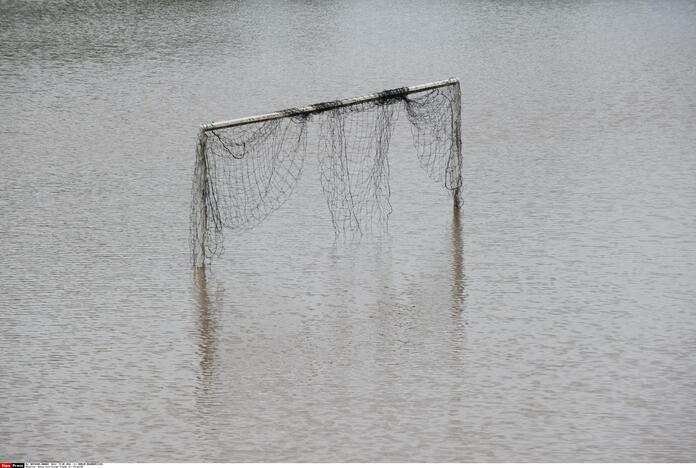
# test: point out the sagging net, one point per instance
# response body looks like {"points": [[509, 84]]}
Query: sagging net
{"points": [[244, 173]]}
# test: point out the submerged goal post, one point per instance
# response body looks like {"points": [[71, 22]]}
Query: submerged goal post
{"points": [[246, 168]]}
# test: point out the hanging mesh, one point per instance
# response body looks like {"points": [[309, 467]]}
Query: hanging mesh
{"points": [[245, 172]]}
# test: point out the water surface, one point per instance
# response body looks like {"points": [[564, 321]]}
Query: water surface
{"points": [[553, 319]]}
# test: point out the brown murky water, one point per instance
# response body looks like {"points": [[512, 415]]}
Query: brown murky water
{"points": [[553, 320]]}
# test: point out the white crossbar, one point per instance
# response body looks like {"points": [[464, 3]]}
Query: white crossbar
{"points": [[322, 106]]}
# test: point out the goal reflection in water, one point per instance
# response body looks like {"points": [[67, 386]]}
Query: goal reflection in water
{"points": [[207, 332], [458, 278]]}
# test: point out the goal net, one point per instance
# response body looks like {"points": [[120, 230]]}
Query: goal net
{"points": [[247, 168]]}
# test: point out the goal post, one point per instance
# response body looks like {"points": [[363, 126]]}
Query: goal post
{"points": [[246, 168]]}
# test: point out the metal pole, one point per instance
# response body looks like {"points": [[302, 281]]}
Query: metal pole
{"points": [[201, 202], [457, 142], [322, 106]]}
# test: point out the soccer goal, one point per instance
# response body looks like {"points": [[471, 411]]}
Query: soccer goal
{"points": [[247, 168]]}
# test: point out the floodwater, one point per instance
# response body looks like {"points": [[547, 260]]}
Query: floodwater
{"points": [[553, 319]]}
